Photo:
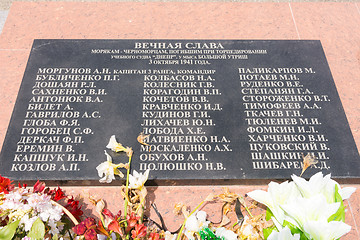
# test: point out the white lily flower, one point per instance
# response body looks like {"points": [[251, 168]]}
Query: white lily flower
{"points": [[346, 192], [302, 210], [114, 145], [324, 230], [277, 194], [225, 234], [195, 223], [283, 234], [323, 185], [137, 180], [107, 170]]}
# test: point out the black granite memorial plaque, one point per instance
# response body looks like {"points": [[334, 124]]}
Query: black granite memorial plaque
{"points": [[214, 109]]}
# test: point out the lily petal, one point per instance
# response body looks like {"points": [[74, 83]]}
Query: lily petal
{"points": [[283, 234], [346, 192], [323, 230], [302, 210]]}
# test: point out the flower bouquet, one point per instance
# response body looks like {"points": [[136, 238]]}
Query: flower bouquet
{"points": [[36, 213]]}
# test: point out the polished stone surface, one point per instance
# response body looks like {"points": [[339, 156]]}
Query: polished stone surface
{"points": [[233, 109]]}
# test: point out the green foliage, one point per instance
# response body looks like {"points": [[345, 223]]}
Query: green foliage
{"points": [[295, 230], [37, 230], [268, 231], [269, 214], [340, 213], [8, 232], [207, 234]]}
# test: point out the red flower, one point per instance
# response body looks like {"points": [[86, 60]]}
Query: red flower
{"points": [[108, 213], [139, 232], [118, 215], [90, 234], [154, 236], [59, 194], [39, 187], [74, 208], [5, 185], [100, 228], [89, 223], [115, 226], [79, 229], [23, 186], [131, 221]]}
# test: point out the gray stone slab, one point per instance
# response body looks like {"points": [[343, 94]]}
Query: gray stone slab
{"points": [[214, 110]]}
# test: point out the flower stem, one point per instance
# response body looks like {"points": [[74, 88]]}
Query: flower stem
{"points": [[183, 225], [127, 193], [67, 212], [127, 187], [248, 211]]}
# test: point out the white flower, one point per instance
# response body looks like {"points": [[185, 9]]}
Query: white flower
{"points": [[324, 230], [323, 185], [195, 223], [107, 170], [137, 180], [114, 145], [28, 222], [283, 234], [169, 236], [54, 228], [247, 231], [276, 195], [225, 234], [302, 210]]}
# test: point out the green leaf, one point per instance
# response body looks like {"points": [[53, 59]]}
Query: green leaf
{"points": [[37, 230], [292, 227], [295, 230], [269, 214], [338, 197], [268, 231], [340, 213], [207, 234], [8, 232]]}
